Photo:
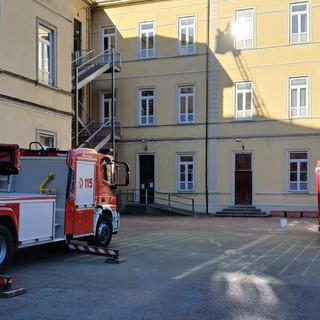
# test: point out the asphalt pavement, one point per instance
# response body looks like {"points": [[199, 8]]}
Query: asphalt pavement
{"points": [[177, 268]]}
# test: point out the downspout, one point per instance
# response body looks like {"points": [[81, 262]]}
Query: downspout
{"points": [[207, 105], [89, 9]]}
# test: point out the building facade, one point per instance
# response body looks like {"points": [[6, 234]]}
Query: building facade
{"points": [[268, 75], [160, 92], [214, 101], [35, 77]]}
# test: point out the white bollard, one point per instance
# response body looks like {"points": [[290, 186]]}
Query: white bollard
{"points": [[283, 223]]}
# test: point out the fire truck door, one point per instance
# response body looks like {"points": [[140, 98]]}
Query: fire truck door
{"points": [[85, 198]]}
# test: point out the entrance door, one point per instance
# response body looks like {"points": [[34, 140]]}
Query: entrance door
{"points": [[146, 165], [243, 179]]}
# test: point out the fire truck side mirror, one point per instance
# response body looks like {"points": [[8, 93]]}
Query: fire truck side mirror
{"points": [[125, 179]]}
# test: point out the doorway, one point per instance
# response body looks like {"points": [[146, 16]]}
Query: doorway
{"points": [[77, 36], [243, 179], [146, 168]]}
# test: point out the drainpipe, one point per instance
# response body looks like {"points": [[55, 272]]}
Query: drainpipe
{"points": [[207, 105], [113, 134], [76, 107], [88, 18]]}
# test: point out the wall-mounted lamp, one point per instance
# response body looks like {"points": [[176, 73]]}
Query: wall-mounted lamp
{"points": [[145, 146], [240, 141]]}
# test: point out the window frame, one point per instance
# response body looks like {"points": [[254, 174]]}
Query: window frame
{"points": [[244, 92], [106, 97], [147, 98], [299, 34], [150, 33], [187, 48], [44, 77], [111, 44], [299, 89], [186, 182], [245, 35], [186, 96], [299, 188], [40, 133]]}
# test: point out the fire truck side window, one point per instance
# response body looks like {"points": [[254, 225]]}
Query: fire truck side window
{"points": [[107, 172], [70, 185]]}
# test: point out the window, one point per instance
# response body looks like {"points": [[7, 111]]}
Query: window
{"points": [[108, 38], [106, 107], [187, 35], [46, 55], [147, 40], [107, 174], [186, 104], [46, 139], [244, 100], [186, 173], [298, 97], [299, 23], [298, 171], [146, 102], [244, 29]]}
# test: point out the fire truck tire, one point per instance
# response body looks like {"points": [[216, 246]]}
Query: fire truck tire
{"points": [[6, 248], [103, 234]]}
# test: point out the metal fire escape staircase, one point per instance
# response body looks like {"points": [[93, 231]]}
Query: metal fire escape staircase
{"points": [[86, 67]]}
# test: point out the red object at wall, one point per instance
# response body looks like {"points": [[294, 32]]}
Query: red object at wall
{"points": [[318, 189]]}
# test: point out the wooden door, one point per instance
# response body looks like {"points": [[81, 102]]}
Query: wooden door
{"points": [[243, 179]]}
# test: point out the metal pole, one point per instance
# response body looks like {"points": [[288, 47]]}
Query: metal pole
{"points": [[113, 133], [76, 107]]}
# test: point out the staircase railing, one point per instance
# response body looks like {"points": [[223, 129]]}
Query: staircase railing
{"points": [[85, 120], [88, 60], [168, 199], [85, 65], [81, 56], [98, 131]]}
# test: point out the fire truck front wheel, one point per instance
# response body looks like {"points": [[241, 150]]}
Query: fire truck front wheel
{"points": [[103, 232], [6, 248]]}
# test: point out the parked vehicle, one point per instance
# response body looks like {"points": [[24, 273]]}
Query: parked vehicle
{"points": [[50, 195]]}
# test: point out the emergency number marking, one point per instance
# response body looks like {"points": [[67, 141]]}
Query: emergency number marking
{"points": [[86, 183]]}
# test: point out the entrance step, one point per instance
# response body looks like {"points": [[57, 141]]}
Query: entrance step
{"points": [[242, 211]]}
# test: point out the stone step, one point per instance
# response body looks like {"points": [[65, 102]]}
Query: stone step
{"points": [[241, 211]]}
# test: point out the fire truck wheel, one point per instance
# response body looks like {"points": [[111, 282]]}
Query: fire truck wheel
{"points": [[103, 232], [6, 248]]}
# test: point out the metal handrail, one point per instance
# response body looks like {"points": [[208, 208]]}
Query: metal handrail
{"points": [[79, 57], [169, 199], [86, 121], [102, 58]]}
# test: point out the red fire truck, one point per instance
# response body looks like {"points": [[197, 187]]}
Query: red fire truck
{"points": [[48, 195]]}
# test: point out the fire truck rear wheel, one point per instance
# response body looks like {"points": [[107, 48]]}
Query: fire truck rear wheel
{"points": [[6, 248], [103, 232]]}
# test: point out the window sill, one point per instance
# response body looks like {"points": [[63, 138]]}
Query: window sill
{"points": [[297, 193]]}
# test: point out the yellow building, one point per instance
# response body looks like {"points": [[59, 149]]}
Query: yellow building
{"points": [[268, 74], [35, 76], [211, 100], [160, 97]]}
